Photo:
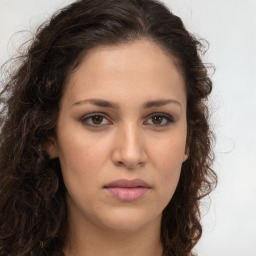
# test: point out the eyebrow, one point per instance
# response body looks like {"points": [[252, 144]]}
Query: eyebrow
{"points": [[109, 104], [159, 103], [98, 102]]}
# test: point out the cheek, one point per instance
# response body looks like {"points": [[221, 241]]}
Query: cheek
{"points": [[81, 164], [168, 163], [81, 157], [169, 179], [170, 153], [170, 173]]}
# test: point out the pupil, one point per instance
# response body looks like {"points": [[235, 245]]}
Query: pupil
{"points": [[157, 119], [97, 119]]}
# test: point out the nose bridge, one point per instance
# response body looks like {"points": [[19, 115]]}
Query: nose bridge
{"points": [[130, 149], [132, 141]]}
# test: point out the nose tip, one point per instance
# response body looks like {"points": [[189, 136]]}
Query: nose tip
{"points": [[130, 161], [129, 151]]}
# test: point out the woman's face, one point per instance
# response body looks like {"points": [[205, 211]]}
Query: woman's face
{"points": [[121, 136]]}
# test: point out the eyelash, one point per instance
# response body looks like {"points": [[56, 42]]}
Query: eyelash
{"points": [[168, 119], [85, 119]]}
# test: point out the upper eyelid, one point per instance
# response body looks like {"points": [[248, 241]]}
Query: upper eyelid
{"points": [[159, 114], [94, 114]]}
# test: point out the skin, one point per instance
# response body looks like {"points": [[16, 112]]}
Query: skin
{"points": [[124, 141]]}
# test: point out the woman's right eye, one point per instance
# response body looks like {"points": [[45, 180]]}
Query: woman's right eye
{"points": [[95, 120]]}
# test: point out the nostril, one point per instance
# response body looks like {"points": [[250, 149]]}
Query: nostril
{"points": [[120, 163], [130, 165]]}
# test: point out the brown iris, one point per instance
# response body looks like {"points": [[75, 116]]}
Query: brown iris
{"points": [[157, 119], [97, 119]]}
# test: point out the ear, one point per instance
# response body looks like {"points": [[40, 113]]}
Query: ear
{"points": [[51, 148], [186, 154], [187, 146]]}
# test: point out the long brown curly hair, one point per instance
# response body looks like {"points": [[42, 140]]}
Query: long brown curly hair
{"points": [[33, 212]]}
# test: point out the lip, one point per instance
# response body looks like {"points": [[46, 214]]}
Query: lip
{"points": [[127, 190]]}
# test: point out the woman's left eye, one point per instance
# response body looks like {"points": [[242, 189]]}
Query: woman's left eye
{"points": [[95, 120], [159, 119]]}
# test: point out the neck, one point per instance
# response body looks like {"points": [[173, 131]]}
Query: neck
{"points": [[90, 240]]}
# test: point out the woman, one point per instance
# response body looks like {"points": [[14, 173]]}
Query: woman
{"points": [[105, 142]]}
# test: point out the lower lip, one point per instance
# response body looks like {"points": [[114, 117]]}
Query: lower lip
{"points": [[127, 194]]}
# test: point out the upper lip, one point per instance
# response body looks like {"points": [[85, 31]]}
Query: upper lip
{"points": [[124, 183]]}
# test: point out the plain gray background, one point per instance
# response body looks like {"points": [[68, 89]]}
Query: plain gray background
{"points": [[230, 28]]}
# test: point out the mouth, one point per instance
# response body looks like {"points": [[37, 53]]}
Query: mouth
{"points": [[127, 190]]}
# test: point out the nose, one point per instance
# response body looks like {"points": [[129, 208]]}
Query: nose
{"points": [[129, 148]]}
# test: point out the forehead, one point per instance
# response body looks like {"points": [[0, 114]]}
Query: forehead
{"points": [[139, 53], [139, 67]]}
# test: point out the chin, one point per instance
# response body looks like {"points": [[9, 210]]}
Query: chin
{"points": [[129, 221]]}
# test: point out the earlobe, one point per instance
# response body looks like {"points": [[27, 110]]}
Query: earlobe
{"points": [[51, 148], [186, 155]]}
